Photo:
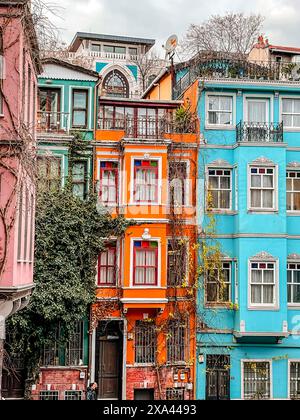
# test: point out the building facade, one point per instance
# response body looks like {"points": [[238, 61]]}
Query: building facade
{"points": [[19, 67], [145, 314], [248, 312]]}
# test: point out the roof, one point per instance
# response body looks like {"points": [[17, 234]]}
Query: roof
{"points": [[156, 80], [69, 66], [280, 48], [109, 38]]}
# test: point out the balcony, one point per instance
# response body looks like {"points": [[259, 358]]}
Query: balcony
{"points": [[219, 66], [147, 127], [259, 132], [52, 122]]}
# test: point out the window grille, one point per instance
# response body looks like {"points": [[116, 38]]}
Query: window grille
{"points": [[74, 351], [145, 343], [175, 394], [257, 381], [295, 381], [73, 395], [49, 396], [177, 262], [176, 342]]}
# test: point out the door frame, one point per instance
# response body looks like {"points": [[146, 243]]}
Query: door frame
{"points": [[218, 370], [92, 364]]}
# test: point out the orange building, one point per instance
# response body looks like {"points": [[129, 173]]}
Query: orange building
{"points": [[144, 318]]}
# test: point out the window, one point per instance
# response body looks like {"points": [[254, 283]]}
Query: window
{"points": [[51, 356], [115, 84], [108, 182], [114, 49], [262, 188], [257, 380], [175, 394], [74, 350], [218, 284], [219, 189], [145, 263], [49, 396], [79, 179], [146, 181], [49, 173], [295, 380], [107, 266], [177, 262], [293, 273], [293, 190], [263, 284], [73, 395], [257, 111], [220, 110], [133, 52], [96, 47], [80, 109], [145, 342], [178, 179], [291, 113], [176, 342]]}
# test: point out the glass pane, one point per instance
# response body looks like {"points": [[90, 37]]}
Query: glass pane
{"points": [[225, 183], [297, 106], [225, 118], [296, 184], [213, 182], [78, 171], [120, 50], [79, 118], [287, 105], [256, 294], [257, 111], [213, 103], [212, 118], [108, 48], [296, 121], [268, 181], [268, 199], [225, 103], [80, 99], [225, 199], [256, 276], [268, 294], [78, 190], [268, 276], [287, 120], [256, 181], [256, 199]]}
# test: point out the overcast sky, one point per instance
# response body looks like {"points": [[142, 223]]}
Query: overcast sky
{"points": [[160, 18]]}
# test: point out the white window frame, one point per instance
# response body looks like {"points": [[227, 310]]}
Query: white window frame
{"points": [[281, 113], [233, 112], [159, 279], [243, 361], [292, 304], [290, 191], [159, 182], [274, 209], [263, 306], [269, 101], [289, 375], [221, 168], [187, 183]]}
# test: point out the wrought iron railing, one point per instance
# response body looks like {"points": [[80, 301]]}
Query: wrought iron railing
{"points": [[216, 66], [147, 127], [52, 122], [259, 132]]}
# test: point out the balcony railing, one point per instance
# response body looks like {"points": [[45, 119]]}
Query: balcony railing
{"points": [[52, 122], [259, 132], [147, 128], [218, 66]]}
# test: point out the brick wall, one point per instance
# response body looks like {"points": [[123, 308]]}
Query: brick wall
{"points": [[147, 378], [60, 380]]}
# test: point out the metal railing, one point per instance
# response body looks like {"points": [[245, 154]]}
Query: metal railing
{"points": [[147, 127], [218, 66], [259, 132], [52, 122]]}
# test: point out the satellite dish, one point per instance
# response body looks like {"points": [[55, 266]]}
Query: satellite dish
{"points": [[171, 44]]}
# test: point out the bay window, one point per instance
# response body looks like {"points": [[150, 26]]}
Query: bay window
{"points": [[293, 274], [107, 266], [146, 181], [220, 110], [108, 182], [263, 284], [262, 188], [293, 190], [145, 263]]}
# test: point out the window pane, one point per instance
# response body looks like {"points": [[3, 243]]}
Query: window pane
{"points": [[225, 200], [78, 171], [225, 183], [256, 181], [225, 103], [79, 118], [120, 50], [256, 199], [297, 105], [256, 294], [213, 103], [268, 199], [80, 99], [213, 182], [287, 105], [108, 48], [287, 120], [296, 121], [268, 294], [225, 118]]}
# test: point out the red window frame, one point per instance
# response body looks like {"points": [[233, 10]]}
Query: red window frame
{"points": [[145, 167], [107, 266], [116, 171], [144, 248]]}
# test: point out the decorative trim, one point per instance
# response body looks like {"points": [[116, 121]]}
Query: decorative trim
{"points": [[263, 256], [146, 235], [221, 163], [294, 165], [294, 257], [262, 161]]}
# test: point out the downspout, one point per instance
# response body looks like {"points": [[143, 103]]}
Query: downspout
{"points": [[96, 106]]}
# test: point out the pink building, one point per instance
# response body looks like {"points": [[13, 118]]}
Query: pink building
{"points": [[18, 95]]}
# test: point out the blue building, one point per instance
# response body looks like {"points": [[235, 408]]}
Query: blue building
{"points": [[249, 172]]}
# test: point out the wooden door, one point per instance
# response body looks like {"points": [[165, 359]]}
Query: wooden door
{"points": [[218, 378], [109, 369]]}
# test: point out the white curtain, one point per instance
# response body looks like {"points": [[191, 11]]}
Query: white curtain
{"points": [[109, 188], [139, 266], [257, 111], [150, 271], [146, 185]]}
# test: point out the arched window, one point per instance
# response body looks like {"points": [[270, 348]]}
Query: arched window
{"points": [[116, 85]]}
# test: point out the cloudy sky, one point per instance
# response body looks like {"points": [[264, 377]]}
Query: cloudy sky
{"points": [[160, 18]]}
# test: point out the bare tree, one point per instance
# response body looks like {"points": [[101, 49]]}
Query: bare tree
{"points": [[232, 33], [149, 64]]}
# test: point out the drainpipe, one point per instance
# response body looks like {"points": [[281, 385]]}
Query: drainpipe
{"points": [[96, 106], [1, 362]]}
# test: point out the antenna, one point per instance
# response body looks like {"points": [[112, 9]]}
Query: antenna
{"points": [[171, 46]]}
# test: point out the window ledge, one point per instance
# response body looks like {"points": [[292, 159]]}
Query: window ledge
{"points": [[257, 211], [223, 212], [227, 306], [294, 307], [1, 115], [220, 127], [264, 308], [293, 213]]}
